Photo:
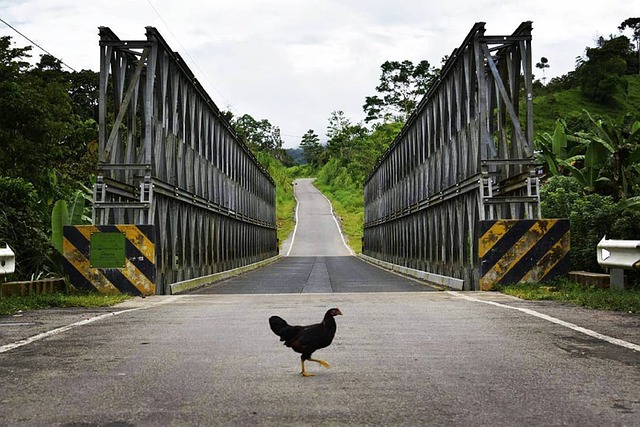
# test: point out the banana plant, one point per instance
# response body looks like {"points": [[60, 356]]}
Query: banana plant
{"points": [[613, 153], [64, 213], [558, 151], [604, 159]]}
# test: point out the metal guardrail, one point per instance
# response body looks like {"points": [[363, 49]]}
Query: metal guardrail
{"points": [[617, 256], [7, 259]]}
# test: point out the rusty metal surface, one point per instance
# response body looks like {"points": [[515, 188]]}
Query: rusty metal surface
{"points": [[512, 251]]}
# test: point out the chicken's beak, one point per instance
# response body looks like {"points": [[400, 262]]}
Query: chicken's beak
{"points": [[338, 312]]}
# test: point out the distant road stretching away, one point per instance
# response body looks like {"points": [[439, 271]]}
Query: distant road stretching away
{"points": [[318, 261], [317, 232]]}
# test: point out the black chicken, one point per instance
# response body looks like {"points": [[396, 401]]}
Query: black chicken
{"points": [[307, 339]]}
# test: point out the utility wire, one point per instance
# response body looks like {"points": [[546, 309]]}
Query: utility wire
{"points": [[187, 52], [36, 44]]}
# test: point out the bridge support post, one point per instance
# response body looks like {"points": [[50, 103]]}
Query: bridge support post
{"points": [[111, 258], [512, 251]]}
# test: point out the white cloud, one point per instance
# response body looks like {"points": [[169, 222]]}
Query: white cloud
{"points": [[294, 62]]}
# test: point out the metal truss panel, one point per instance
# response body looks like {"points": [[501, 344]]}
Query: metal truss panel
{"points": [[470, 146], [168, 157]]}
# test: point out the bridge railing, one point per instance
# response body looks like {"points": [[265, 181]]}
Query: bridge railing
{"points": [[168, 158], [465, 155]]}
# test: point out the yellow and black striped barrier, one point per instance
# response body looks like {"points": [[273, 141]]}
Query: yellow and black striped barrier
{"points": [[111, 258], [513, 251]]}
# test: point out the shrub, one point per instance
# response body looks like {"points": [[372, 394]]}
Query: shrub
{"points": [[558, 195], [592, 217], [22, 226]]}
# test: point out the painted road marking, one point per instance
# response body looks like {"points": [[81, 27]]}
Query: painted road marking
{"points": [[295, 228], [293, 238], [611, 340], [38, 337], [344, 242]]}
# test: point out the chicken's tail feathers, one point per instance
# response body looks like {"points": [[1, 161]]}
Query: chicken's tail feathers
{"points": [[278, 325]]}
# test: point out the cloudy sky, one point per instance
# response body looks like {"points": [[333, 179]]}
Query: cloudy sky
{"points": [[293, 62]]}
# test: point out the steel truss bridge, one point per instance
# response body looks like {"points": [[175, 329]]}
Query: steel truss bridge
{"points": [[169, 159], [179, 198], [464, 157]]}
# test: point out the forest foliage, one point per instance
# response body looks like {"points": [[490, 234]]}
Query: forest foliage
{"points": [[48, 140]]}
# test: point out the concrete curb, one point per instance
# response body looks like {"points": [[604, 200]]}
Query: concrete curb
{"points": [[448, 282], [191, 284], [31, 287]]}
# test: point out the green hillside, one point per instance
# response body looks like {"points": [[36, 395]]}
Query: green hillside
{"points": [[569, 104]]}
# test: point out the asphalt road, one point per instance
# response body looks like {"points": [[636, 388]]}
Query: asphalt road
{"points": [[316, 275], [399, 358], [318, 259], [419, 358], [317, 232]]}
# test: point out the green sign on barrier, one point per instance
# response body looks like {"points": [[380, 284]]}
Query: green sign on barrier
{"points": [[107, 250]]}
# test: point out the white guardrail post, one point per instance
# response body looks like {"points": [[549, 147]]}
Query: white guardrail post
{"points": [[618, 255], [7, 259]]}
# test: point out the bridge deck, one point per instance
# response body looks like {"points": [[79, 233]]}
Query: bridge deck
{"points": [[316, 275]]}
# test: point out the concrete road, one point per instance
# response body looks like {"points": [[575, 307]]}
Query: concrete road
{"points": [[419, 358]]}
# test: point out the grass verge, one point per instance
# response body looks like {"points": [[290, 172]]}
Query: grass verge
{"points": [[349, 212], [16, 303], [565, 291], [285, 216]]}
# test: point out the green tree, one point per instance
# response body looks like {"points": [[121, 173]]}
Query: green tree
{"points": [[48, 146], [22, 226], [634, 25], [12, 62], [601, 74], [353, 150], [312, 150], [260, 136], [402, 84], [341, 134], [35, 118], [543, 64], [84, 93]]}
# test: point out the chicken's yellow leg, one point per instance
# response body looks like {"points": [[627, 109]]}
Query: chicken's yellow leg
{"points": [[322, 362], [304, 373]]}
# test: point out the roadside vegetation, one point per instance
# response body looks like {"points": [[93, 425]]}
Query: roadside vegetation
{"points": [[574, 293], [16, 303]]}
